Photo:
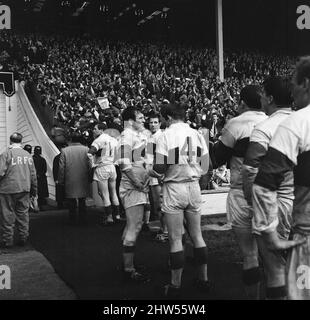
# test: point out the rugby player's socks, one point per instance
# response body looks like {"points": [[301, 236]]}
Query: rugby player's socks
{"points": [[116, 215], [276, 293], [184, 240], [108, 214], [201, 255], [253, 291], [128, 258], [251, 279], [177, 265]]}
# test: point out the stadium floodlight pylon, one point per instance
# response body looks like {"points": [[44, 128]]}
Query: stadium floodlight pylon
{"points": [[219, 38]]}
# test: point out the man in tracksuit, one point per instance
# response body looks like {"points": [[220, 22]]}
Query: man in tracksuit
{"points": [[18, 181]]}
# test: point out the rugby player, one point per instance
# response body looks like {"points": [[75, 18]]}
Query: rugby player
{"points": [[103, 148], [232, 147], [288, 153], [134, 186], [182, 156], [154, 123], [276, 100]]}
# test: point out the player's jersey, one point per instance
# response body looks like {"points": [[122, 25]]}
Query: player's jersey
{"points": [[182, 148], [265, 130], [236, 137], [132, 147], [131, 154], [259, 143], [151, 146], [147, 133], [107, 145], [289, 151]]}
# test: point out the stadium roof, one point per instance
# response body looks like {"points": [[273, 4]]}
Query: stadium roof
{"points": [[247, 23]]}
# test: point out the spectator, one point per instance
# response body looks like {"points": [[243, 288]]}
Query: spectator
{"points": [[221, 176], [58, 136], [28, 148], [132, 74], [215, 126]]}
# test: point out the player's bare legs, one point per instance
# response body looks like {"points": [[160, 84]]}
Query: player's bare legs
{"points": [[249, 250], [174, 224], [156, 190], [134, 220], [114, 199], [193, 222], [103, 191]]}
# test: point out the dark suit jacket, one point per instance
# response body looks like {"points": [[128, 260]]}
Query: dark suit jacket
{"points": [[60, 190], [41, 168], [219, 125], [56, 167]]}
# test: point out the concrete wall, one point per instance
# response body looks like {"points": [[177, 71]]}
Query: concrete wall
{"points": [[32, 130], [16, 114], [3, 138]]}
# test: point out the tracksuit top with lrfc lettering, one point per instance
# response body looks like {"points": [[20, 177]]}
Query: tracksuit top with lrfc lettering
{"points": [[17, 171]]}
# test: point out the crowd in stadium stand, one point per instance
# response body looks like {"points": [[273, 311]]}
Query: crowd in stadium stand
{"points": [[70, 73]]}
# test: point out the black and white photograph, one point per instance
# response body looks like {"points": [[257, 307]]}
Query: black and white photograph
{"points": [[154, 150]]}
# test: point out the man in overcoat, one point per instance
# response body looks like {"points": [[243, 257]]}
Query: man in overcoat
{"points": [[74, 174]]}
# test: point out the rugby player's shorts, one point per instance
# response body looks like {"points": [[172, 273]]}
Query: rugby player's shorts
{"points": [[107, 172], [132, 197], [181, 197], [239, 213], [271, 212], [129, 195], [298, 270]]}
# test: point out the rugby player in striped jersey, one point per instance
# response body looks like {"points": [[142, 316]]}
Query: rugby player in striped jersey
{"points": [[231, 149], [276, 100], [289, 152]]}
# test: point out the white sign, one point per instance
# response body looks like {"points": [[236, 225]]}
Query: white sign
{"points": [[103, 103]]}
